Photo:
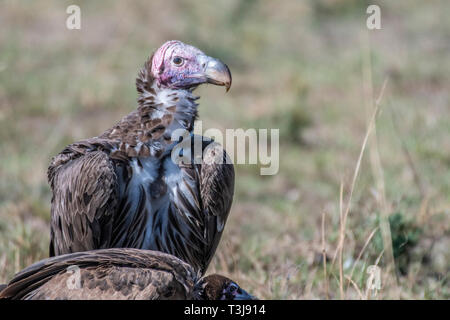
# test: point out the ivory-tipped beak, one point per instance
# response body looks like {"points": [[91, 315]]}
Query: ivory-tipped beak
{"points": [[217, 73]]}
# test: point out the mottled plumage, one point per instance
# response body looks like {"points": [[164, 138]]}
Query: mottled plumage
{"points": [[118, 274], [122, 189]]}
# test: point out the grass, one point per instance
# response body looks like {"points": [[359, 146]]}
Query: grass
{"points": [[340, 202]]}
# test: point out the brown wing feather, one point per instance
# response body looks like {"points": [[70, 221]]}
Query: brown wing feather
{"points": [[106, 274], [200, 201], [84, 199], [217, 190]]}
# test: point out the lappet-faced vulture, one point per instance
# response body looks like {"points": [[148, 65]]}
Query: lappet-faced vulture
{"points": [[118, 274], [123, 190]]}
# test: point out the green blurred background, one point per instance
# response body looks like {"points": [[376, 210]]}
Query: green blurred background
{"points": [[311, 69]]}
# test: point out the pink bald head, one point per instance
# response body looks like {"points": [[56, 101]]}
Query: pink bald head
{"points": [[181, 66]]}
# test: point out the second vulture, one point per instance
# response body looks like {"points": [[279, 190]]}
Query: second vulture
{"points": [[118, 274], [123, 190]]}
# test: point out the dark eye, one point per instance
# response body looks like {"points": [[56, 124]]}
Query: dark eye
{"points": [[177, 61], [233, 288]]}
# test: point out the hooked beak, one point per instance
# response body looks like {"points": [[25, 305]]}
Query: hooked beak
{"points": [[244, 295], [216, 72]]}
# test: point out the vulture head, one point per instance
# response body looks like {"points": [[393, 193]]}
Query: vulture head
{"points": [[176, 65], [217, 287]]}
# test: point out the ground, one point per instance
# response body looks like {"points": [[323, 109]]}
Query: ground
{"points": [[311, 69]]}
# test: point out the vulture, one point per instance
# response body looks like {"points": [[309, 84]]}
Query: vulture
{"points": [[118, 274], [125, 189]]}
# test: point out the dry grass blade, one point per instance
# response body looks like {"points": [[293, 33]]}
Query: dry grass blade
{"points": [[341, 213], [324, 257], [356, 288], [341, 242], [375, 159], [419, 181], [362, 251], [343, 216]]}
